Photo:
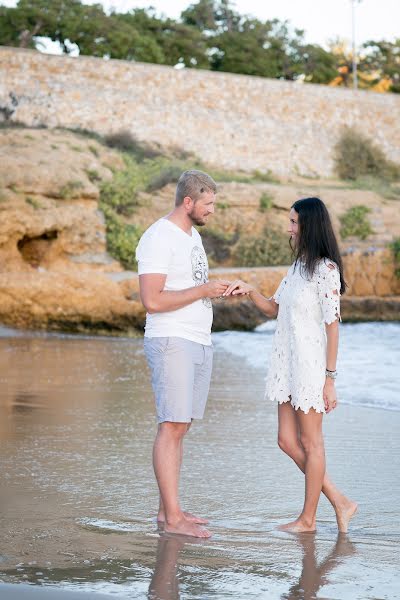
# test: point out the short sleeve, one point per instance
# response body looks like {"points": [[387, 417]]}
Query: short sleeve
{"points": [[280, 289], [328, 282], [153, 254]]}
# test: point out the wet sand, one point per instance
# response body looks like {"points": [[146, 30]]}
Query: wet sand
{"points": [[78, 497]]}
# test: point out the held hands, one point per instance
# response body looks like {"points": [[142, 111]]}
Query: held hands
{"points": [[329, 395], [238, 287], [215, 288]]}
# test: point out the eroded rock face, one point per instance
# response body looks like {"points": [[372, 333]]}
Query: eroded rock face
{"points": [[76, 302], [54, 265], [55, 272], [49, 217]]}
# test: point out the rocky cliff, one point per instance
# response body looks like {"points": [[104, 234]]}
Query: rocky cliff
{"points": [[56, 273]]}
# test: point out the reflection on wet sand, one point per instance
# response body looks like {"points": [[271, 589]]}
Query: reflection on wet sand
{"points": [[164, 583], [313, 576]]}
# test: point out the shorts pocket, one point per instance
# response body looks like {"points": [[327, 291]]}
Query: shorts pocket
{"points": [[156, 344]]}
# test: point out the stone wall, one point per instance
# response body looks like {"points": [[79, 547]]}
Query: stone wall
{"points": [[233, 121]]}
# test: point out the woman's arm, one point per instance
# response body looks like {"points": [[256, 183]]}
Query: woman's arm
{"points": [[332, 339], [267, 305]]}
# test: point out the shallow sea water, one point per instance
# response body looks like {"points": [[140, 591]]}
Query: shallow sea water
{"points": [[78, 496]]}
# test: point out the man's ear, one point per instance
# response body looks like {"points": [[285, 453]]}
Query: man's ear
{"points": [[188, 203]]}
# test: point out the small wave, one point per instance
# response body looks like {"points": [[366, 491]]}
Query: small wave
{"points": [[110, 526], [369, 355]]}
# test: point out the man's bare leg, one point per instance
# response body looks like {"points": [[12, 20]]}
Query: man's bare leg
{"points": [[189, 516], [166, 460], [289, 442]]}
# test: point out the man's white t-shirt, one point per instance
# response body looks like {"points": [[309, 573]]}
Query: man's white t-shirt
{"points": [[166, 248]]}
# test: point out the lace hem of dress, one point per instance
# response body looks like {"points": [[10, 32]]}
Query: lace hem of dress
{"points": [[329, 321], [316, 405]]}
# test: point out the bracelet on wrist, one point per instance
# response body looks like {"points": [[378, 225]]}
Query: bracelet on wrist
{"points": [[331, 374]]}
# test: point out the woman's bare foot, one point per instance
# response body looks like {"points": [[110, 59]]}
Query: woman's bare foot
{"points": [[298, 526], [185, 527], [188, 516], [344, 513]]}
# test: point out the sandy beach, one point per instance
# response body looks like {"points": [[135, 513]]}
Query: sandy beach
{"points": [[78, 497]]}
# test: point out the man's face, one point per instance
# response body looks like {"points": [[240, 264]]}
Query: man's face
{"points": [[202, 209]]}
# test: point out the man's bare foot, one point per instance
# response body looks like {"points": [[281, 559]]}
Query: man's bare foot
{"points": [[344, 513], [298, 526], [188, 516], [185, 527]]}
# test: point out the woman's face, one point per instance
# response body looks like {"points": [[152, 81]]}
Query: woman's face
{"points": [[293, 228]]}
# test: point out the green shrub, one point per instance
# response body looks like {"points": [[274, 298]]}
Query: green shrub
{"points": [[354, 222], [270, 249], [121, 193], [224, 176], [7, 124], [125, 141], [82, 132], [223, 205], [93, 175], [266, 201], [265, 176], [395, 248], [122, 239], [93, 150], [33, 202], [70, 190], [383, 188], [217, 244], [356, 155], [169, 174]]}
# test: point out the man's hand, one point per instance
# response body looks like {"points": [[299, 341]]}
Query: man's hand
{"points": [[215, 288], [239, 287]]}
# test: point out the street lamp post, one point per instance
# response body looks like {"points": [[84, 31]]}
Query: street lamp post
{"points": [[353, 31]]}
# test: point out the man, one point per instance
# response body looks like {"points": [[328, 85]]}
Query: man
{"points": [[174, 288]]}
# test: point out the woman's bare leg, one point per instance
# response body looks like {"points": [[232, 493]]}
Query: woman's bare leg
{"points": [[289, 442]]}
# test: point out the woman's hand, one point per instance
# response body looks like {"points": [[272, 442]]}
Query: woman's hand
{"points": [[238, 287], [329, 395]]}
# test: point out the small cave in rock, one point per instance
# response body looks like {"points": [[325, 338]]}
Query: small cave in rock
{"points": [[34, 249]]}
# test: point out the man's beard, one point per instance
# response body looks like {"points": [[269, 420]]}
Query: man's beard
{"points": [[199, 221]]}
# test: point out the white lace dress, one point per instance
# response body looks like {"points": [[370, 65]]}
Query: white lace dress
{"points": [[297, 367]]}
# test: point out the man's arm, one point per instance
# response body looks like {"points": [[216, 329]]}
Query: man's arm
{"points": [[155, 299]]}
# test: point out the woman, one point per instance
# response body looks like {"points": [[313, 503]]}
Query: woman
{"points": [[302, 372]]}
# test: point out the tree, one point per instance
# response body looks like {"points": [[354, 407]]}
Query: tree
{"points": [[30, 18], [212, 15], [176, 42], [383, 59]]}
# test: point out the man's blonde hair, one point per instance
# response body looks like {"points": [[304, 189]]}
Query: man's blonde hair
{"points": [[193, 184]]}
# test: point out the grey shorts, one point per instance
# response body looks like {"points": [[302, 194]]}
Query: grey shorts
{"points": [[180, 376]]}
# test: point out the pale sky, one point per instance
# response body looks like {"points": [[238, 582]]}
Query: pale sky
{"points": [[322, 20]]}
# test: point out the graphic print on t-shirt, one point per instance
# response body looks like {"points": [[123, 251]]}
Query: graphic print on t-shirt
{"points": [[200, 270]]}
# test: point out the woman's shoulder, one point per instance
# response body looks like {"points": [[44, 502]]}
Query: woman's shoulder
{"points": [[326, 265]]}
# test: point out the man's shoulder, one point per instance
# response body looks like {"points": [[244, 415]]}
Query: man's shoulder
{"points": [[157, 227], [157, 231], [196, 235]]}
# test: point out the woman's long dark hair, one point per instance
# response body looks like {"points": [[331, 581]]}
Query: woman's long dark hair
{"points": [[316, 238]]}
